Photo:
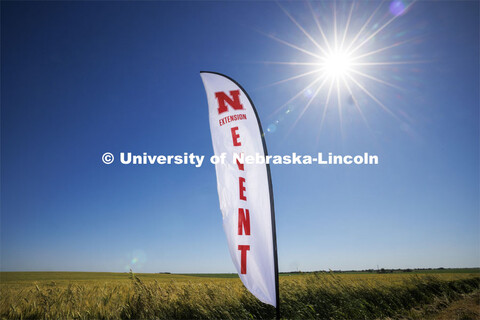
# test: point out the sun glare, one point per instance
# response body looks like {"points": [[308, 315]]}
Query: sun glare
{"points": [[337, 64], [348, 52]]}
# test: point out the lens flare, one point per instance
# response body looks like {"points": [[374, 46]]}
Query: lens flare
{"points": [[397, 7], [272, 127], [136, 260]]}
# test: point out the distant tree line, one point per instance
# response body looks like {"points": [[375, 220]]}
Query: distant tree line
{"points": [[382, 270]]}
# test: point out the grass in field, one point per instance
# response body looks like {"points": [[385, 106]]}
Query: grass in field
{"points": [[59, 295]]}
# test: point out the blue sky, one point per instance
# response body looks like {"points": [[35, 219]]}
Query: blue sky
{"points": [[82, 78]]}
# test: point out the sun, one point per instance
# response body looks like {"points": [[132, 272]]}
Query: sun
{"points": [[337, 64]]}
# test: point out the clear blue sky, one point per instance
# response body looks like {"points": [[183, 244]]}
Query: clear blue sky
{"points": [[82, 78]]}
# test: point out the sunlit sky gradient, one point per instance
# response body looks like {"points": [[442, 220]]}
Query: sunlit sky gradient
{"points": [[82, 78]]}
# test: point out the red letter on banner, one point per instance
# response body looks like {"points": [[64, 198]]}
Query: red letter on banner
{"points": [[234, 102], [243, 250], [243, 221], [240, 165], [235, 137], [241, 181]]}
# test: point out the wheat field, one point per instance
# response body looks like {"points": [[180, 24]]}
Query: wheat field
{"points": [[87, 295]]}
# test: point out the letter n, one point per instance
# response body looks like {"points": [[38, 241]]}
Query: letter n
{"points": [[243, 221], [224, 99]]}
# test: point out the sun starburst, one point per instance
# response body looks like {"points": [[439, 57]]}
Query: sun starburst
{"points": [[344, 57]]}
